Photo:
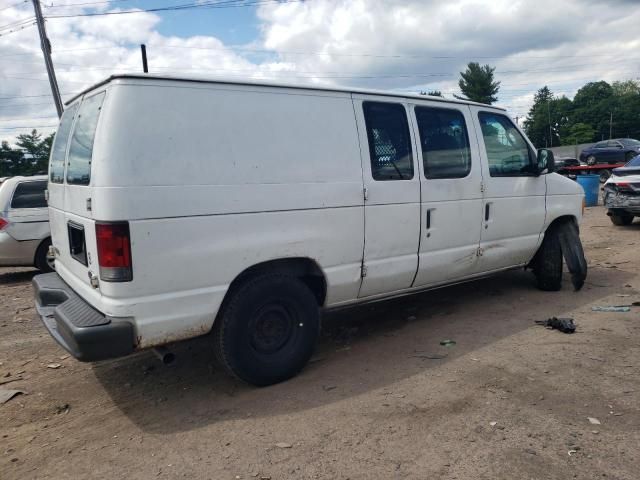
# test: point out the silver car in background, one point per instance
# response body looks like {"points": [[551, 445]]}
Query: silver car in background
{"points": [[24, 222]]}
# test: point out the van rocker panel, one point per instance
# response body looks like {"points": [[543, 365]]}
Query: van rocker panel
{"points": [[81, 330]]}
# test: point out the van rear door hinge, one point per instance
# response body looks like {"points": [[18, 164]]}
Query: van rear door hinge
{"points": [[365, 193], [481, 186], [480, 251], [363, 270]]}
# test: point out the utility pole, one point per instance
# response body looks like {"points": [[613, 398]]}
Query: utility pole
{"points": [[550, 130], [46, 50], [143, 49], [610, 124]]}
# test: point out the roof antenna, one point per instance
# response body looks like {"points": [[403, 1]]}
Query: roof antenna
{"points": [[145, 67]]}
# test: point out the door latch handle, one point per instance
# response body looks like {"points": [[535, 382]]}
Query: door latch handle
{"points": [[487, 208], [428, 219]]}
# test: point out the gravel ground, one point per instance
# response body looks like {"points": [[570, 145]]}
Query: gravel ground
{"points": [[381, 399]]}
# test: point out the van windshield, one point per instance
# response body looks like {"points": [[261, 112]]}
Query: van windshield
{"points": [[81, 148], [59, 149]]}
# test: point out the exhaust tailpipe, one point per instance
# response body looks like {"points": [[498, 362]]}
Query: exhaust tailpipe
{"points": [[166, 356]]}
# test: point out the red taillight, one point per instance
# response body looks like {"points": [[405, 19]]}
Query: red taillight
{"points": [[114, 251], [623, 186], [3, 223]]}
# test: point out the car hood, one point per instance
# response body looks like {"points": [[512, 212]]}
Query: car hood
{"points": [[626, 171]]}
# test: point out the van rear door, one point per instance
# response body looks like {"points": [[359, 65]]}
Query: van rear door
{"points": [[72, 223]]}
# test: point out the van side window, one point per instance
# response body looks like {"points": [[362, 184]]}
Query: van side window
{"points": [[29, 195], [444, 141], [389, 141], [59, 149], [508, 153], [81, 148]]}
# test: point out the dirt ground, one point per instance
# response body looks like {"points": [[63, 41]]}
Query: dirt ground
{"points": [[381, 399]]}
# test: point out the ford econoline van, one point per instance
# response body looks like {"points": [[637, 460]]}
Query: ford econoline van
{"points": [[184, 207]]}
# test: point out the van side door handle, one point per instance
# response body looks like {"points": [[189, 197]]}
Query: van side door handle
{"points": [[487, 210], [428, 219]]}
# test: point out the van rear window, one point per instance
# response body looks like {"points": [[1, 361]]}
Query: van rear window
{"points": [[29, 195], [59, 149], [81, 147]]}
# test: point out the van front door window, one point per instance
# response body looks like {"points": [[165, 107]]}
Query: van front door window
{"points": [[507, 151]]}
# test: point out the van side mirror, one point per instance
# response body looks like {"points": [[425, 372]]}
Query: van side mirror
{"points": [[546, 161]]}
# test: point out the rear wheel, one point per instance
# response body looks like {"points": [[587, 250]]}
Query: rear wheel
{"points": [[40, 260], [267, 330], [591, 160], [547, 264], [604, 175], [621, 220]]}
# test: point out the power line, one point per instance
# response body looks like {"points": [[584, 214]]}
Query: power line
{"points": [[186, 6], [29, 128], [16, 30]]}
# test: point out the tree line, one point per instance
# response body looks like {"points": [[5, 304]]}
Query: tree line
{"points": [[30, 157], [598, 111]]}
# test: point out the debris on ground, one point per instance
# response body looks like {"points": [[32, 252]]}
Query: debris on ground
{"points": [[429, 356], [447, 343], [565, 325], [6, 395], [283, 445], [573, 254], [54, 365], [593, 421], [611, 308]]}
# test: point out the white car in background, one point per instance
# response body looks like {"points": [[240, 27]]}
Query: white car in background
{"points": [[622, 193], [24, 222]]}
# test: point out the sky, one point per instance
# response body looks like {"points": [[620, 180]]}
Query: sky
{"points": [[407, 45]]}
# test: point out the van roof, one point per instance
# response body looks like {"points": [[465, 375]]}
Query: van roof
{"points": [[267, 83]]}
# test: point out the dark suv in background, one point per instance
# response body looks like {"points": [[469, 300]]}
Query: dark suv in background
{"points": [[617, 150]]}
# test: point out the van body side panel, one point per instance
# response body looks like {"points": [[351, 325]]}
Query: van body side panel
{"points": [[213, 181]]}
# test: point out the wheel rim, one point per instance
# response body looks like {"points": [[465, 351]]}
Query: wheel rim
{"points": [[271, 328], [591, 160], [604, 176]]}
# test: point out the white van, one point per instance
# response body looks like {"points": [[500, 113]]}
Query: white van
{"points": [[181, 207]]}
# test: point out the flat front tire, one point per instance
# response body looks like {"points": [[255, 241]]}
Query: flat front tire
{"points": [[267, 329], [547, 264]]}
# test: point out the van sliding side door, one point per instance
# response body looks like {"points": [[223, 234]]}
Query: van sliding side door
{"points": [[451, 180], [392, 194]]}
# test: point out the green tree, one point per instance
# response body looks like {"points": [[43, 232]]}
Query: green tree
{"points": [[11, 160], [593, 105], [37, 147], [537, 123], [626, 87], [477, 84], [580, 133]]}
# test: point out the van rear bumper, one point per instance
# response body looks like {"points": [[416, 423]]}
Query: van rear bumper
{"points": [[80, 329]]}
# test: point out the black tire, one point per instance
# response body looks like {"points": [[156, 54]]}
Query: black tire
{"points": [[621, 220], [604, 175], [40, 259], [547, 264], [591, 160], [267, 330]]}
